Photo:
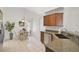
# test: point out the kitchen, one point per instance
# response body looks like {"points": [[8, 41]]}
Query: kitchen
{"points": [[60, 30], [55, 29]]}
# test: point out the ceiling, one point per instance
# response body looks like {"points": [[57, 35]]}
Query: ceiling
{"points": [[40, 10]]}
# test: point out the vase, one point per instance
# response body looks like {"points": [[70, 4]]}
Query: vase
{"points": [[11, 35]]}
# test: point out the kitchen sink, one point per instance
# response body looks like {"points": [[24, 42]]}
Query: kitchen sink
{"points": [[61, 36]]}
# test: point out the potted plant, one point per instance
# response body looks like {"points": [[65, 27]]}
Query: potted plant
{"points": [[10, 27]]}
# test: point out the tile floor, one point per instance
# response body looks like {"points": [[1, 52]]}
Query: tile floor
{"points": [[16, 45]]}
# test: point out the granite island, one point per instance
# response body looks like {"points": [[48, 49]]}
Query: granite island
{"points": [[61, 45]]}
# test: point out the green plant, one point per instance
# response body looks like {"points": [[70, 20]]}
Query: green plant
{"points": [[9, 26]]}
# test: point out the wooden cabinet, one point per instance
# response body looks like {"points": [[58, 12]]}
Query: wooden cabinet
{"points": [[52, 20], [59, 19], [47, 20], [55, 19], [42, 36]]}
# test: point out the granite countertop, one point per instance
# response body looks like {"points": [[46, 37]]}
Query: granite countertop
{"points": [[62, 45], [72, 37]]}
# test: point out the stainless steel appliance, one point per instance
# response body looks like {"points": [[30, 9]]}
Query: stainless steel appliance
{"points": [[47, 38]]}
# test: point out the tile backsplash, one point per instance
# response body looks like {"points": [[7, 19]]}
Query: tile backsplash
{"points": [[52, 28]]}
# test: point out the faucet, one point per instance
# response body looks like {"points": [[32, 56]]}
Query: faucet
{"points": [[62, 29]]}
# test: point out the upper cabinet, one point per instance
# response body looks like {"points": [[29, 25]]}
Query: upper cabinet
{"points": [[55, 19], [46, 20], [52, 20], [49, 20], [59, 19]]}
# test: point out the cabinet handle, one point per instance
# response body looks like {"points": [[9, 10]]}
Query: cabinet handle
{"points": [[51, 37]]}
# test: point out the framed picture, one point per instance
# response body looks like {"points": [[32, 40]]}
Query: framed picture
{"points": [[21, 23]]}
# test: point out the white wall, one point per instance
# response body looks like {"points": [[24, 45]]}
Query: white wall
{"points": [[36, 23], [56, 10], [42, 27], [71, 18]]}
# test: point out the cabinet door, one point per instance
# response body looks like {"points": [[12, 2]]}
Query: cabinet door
{"points": [[52, 20], [46, 20], [49, 20], [42, 37], [59, 19]]}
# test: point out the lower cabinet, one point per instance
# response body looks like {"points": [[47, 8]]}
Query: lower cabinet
{"points": [[42, 37]]}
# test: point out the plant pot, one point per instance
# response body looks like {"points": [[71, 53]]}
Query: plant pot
{"points": [[11, 36]]}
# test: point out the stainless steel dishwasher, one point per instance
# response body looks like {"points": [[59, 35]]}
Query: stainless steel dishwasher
{"points": [[47, 38]]}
